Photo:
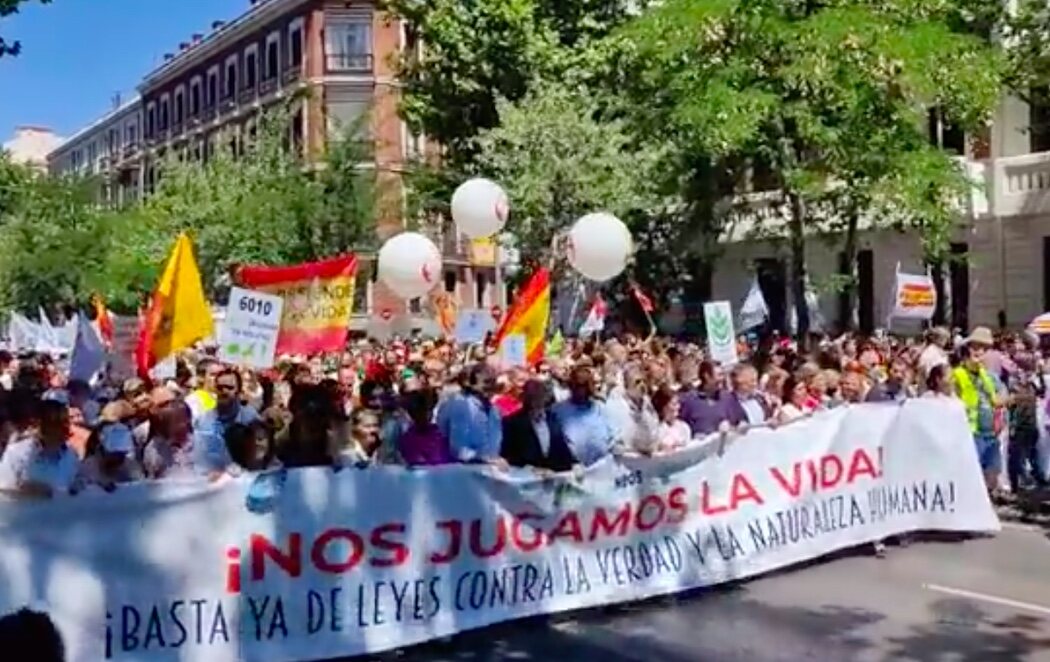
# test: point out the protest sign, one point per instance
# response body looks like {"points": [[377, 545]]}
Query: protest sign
{"points": [[914, 298], [122, 351], [318, 301], [308, 564], [513, 350], [472, 324], [721, 338], [250, 329]]}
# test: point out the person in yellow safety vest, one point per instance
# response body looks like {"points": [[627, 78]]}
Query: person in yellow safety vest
{"points": [[202, 399], [979, 392]]}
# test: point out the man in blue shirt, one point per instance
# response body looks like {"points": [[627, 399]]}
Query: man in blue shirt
{"points": [[583, 420], [471, 423], [210, 455]]}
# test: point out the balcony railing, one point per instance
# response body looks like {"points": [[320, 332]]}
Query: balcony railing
{"points": [[351, 62], [292, 74], [208, 114], [1016, 185], [228, 104], [268, 86], [131, 150], [247, 95]]}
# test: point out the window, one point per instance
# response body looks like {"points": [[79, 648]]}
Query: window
{"points": [[251, 67], [180, 108], [162, 119], [231, 77], [944, 134], [349, 46], [195, 96], [295, 43], [75, 160], [346, 114], [131, 134], [273, 56], [212, 95], [113, 141], [1039, 120], [151, 115]]}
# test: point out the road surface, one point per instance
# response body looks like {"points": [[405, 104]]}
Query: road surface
{"points": [[975, 601]]}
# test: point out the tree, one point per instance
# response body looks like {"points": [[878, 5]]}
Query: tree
{"points": [[796, 86], [49, 237], [559, 159], [476, 53], [7, 8], [255, 202]]}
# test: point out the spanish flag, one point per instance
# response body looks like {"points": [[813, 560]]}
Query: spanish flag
{"points": [[529, 315], [178, 314]]}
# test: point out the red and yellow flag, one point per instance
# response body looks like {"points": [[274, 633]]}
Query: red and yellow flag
{"points": [[318, 301], [178, 314], [104, 321], [529, 315]]}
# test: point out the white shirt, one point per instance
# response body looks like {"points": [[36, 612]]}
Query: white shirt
{"points": [[673, 435], [24, 461], [635, 426], [931, 357]]}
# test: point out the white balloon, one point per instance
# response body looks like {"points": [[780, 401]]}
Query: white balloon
{"points": [[480, 208], [599, 246], [410, 265]]}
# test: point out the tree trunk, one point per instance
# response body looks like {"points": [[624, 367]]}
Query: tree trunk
{"points": [[798, 267], [848, 272]]}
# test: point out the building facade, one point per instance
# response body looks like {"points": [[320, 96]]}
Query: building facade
{"points": [[333, 62], [1001, 249], [109, 149]]}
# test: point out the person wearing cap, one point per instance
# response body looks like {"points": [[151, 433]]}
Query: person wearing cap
{"points": [[41, 465], [109, 460], [979, 393]]}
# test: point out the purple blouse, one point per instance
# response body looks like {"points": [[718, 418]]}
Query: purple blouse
{"points": [[424, 446]]}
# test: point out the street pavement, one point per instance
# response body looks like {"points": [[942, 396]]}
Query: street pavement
{"points": [[977, 600]]}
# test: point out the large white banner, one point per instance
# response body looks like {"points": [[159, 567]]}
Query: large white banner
{"points": [[314, 564]]}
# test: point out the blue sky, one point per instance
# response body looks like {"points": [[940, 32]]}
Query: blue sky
{"points": [[76, 54]]}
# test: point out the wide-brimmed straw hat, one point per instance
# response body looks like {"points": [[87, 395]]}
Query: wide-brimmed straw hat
{"points": [[981, 335]]}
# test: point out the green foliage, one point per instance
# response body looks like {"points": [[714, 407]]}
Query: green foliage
{"points": [[261, 207], [478, 52], [559, 159], [830, 96], [8, 7]]}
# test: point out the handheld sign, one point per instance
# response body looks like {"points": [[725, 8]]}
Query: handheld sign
{"points": [[721, 337], [249, 335], [513, 351], [472, 325]]}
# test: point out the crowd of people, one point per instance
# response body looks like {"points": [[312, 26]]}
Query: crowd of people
{"points": [[419, 402]]}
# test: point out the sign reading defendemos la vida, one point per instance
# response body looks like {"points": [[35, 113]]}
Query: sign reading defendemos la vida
{"points": [[249, 334], [721, 336], [258, 569]]}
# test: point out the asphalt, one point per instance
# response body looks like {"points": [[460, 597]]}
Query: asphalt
{"points": [[977, 600]]}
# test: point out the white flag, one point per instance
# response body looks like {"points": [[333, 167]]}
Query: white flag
{"points": [[816, 319], [89, 354], [595, 322], [754, 311]]}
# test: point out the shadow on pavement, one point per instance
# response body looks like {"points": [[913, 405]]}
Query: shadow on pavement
{"points": [[728, 625]]}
